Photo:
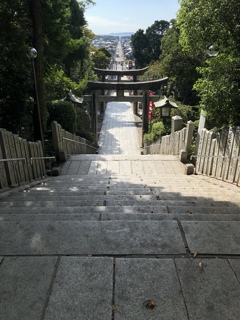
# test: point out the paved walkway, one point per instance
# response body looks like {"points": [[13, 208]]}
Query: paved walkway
{"points": [[119, 133], [119, 152]]}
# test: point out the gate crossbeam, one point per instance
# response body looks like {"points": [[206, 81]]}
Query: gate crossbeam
{"points": [[118, 86]]}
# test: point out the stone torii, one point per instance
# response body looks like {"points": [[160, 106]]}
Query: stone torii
{"points": [[99, 88]]}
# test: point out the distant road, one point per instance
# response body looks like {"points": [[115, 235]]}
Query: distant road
{"points": [[119, 58]]}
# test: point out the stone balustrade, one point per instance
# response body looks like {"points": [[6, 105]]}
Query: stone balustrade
{"points": [[218, 154], [177, 143], [21, 161], [66, 143]]}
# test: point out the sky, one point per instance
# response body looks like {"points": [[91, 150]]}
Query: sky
{"points": [[117, 16]]}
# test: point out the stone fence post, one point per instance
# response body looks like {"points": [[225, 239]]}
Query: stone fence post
{"points": [[188, 142], [176, 124]]}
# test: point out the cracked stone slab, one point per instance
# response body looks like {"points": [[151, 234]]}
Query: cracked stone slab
{"points": [[90, 237], [24, 285], [235, 264], [211, 292], [82, 289], [143, 281], [213, 237]]}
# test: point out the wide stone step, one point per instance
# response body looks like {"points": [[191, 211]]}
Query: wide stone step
{"points": [[80, 197], [83, 191], [106, 216], [90, 238], [119, 237], [84, 209], [122, 286], [203, 203]]}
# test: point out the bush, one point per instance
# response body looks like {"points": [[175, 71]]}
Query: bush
{"points": [[64, 113], [158, 130], [84, 125]]}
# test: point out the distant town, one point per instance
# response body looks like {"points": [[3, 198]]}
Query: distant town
{"points": [[110, 43]]}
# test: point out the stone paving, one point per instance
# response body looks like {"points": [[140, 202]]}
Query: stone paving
{"points": [[120, 236], [119, 133]]}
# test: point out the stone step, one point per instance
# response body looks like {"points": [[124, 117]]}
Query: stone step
{"points": [[84, 191], [119, 237], [119, 157], [80, 197], [90, 238], [106, 216], [173, 285], [84, 209], [95, 201], [123, 197]]}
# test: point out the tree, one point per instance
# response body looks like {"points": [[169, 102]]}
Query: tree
{"points": [[57, 29], [76, 24], [214, 24], [146, 46], [100, 59], [154, 35], [140, 48], [15, 68], [179, 66]]}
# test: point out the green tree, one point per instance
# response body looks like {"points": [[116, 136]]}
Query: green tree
{"points": [[140, 48], [214, 24], [100, 59], [179, 66], [154, 35], [16, 87], [146, 45], [57, 29]]}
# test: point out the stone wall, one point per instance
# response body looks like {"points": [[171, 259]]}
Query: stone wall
{"points": [[66, 143], [218, 154], [18, 163]]}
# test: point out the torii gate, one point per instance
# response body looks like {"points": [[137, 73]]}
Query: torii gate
{"points": [[120, 87]]}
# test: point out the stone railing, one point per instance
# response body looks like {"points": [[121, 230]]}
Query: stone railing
{"points": [[21, 161], [66, 143], [218, 154], [177, 143]]}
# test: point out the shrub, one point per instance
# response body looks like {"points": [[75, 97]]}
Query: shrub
{"points": [[64, 113], [158, 130]]}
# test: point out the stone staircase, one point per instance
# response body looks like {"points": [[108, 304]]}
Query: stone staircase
{"points": [[121, 237]]}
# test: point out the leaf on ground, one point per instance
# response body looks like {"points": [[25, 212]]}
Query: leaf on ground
{"points": [[195, 254], [201, 266], [150, 305], [114, 308]]}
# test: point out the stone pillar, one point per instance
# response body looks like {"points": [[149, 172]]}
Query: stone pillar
{"points": [[135, 104], [102, 104], [144, 114], [201, 126], [189, 136], [94, 115], [176, 124]]}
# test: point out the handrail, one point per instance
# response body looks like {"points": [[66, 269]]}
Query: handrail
{"points": [[41, 158], [200, 156], [222, 157], [13, 159], [85, 144]]}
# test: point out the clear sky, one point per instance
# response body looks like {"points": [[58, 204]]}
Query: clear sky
{"points": [[116, 16]]}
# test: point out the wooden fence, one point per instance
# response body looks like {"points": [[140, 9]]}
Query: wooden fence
{"points": [[218, 154], [66, 143], [21, 161]]}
